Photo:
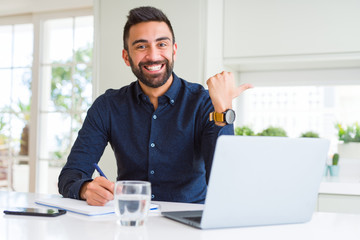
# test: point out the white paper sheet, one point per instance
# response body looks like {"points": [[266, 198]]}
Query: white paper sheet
{"points": [[80, 206]]}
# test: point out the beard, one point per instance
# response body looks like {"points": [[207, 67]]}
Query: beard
{"points": [[155, 80]]}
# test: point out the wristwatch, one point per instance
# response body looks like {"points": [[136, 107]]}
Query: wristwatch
{"points": [[227, 117]]}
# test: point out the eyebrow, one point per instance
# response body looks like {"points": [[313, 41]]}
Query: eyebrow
{"points": [[145, 41]]}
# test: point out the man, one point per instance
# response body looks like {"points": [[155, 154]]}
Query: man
{"points": [[158, 126]]}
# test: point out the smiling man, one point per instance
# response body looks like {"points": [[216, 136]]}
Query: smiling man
{"points": [[162, 128], [150, 51]]}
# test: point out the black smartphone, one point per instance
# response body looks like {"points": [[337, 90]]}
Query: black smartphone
{"points": [[40, 212]]}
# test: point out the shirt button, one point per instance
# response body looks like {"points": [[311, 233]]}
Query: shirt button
{"points": [[172, 101], [154, 117], [152, 172], [152, 144]]}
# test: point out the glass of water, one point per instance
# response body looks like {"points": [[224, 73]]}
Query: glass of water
{"points": [[132, 202]]}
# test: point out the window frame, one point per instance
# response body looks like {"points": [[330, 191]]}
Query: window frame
{"points": [[37, 19]]}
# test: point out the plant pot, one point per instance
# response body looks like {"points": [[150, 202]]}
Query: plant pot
{"points": [[24, 142], [349, 150], [326, 169], [334, 170]]}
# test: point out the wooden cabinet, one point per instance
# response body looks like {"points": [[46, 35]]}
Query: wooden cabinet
{"points": [[280, 34]]}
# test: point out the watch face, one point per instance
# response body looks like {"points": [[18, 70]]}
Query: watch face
{"points": [[229, 116]]}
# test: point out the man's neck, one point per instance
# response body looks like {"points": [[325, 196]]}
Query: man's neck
{"points": [[155, 93]]}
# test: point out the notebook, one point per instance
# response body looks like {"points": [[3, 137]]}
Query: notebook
{"points": [[80, 206], [258, 181]]}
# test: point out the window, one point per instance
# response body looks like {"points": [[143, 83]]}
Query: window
{"points": [[47, 58], [302, 101], [66, 91], [303, 108], [16, 51]]}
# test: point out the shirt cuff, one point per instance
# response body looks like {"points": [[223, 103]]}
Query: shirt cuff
{"points": [[226, 130], [74, 190]]}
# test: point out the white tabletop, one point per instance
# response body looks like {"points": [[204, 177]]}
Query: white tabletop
{"points": [[73, 226]]}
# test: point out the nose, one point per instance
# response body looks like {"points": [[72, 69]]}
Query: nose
{"points": [[152, 54]]}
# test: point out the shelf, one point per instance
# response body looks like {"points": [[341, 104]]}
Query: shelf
{"points": [[340, 185]]}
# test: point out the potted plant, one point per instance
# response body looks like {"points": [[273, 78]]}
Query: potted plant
{"points": [[244, 131], [349, 140], [273, 131], [4, 148], [334, 168], [3, 137], [22, 112], [24, 115], [310, 134]]}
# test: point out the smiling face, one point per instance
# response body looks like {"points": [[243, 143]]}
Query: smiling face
{"points": [[151, 53]]}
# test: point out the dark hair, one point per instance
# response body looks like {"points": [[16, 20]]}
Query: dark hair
{"points": [[144, 14]]}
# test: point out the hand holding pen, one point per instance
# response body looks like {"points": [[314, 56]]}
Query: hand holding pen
{"points": [[99, 191]]}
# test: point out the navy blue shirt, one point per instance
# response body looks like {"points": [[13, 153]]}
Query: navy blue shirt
{"points": [[172, 146]]}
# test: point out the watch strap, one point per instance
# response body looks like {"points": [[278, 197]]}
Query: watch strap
{"points": [[217, 117]]}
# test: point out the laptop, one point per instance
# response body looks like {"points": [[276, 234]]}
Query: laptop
{"points": [[257, 181]]}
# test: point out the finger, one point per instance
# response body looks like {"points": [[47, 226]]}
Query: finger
{"points": [[220, 79], [96, 201], [99, 190], [93, 197], [242, 88], [224, 75], [105, 183]]}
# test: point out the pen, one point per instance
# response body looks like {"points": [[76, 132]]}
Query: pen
{"points": [[99, 170], [154, 207]]}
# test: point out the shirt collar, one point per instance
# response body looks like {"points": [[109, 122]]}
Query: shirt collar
{"points": [[139, 93], [171, 93]]}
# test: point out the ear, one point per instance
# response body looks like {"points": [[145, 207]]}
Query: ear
{"points": [[175, 50], [125, 56]]}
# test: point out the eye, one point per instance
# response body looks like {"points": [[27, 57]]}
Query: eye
{"points": [[162, 44], [140, 47]]}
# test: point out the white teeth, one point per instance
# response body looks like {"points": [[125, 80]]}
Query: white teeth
{"points": [[153, 68]]}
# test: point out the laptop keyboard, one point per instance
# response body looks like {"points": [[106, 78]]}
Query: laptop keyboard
{"points": [[194, 219]]}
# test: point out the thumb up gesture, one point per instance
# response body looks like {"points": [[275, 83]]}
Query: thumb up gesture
{"points": [[223, 90]]}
